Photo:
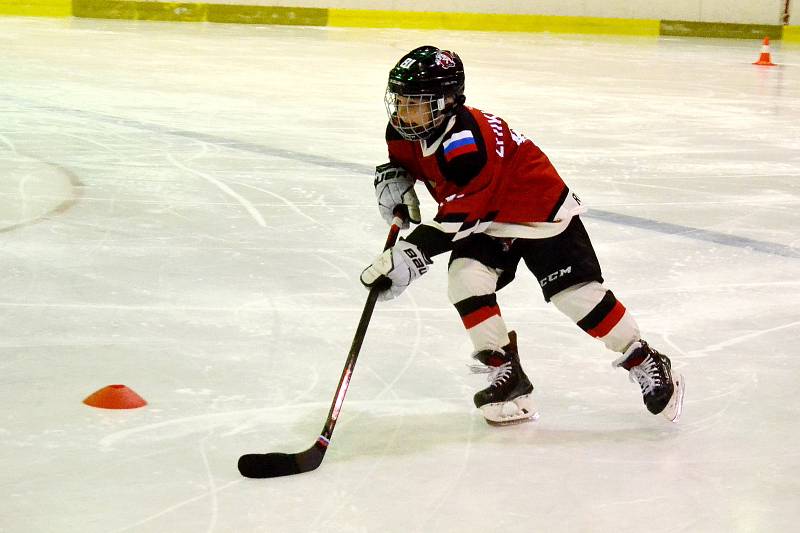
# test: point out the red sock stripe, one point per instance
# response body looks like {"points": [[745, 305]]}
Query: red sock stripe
{"points": [[607, 324], [479, 315]]}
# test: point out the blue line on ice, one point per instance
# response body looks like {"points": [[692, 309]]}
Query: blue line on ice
{"points": [[666, 228]]}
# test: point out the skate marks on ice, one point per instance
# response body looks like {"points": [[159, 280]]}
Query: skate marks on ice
{"points": [[356, 168], [249, 207], [211, 493], [740, 339], [291, 205], [33, 190], [294, 408], [215, 140], [203, 141]]}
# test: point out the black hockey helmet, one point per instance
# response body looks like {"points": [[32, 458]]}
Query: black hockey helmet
{"points": [[427, 83]]}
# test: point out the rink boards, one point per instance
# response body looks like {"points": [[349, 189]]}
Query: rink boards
{"points": [[307, 16]]}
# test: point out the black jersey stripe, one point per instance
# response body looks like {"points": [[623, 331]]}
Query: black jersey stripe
{"points": [[452, 217], [467, 224], [559, 203], [432, 241]]}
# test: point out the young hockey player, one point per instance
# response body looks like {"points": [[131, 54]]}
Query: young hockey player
{"points": [[500, 201]]}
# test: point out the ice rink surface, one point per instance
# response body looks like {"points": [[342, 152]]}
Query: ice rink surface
{"points": [[185, 209]]}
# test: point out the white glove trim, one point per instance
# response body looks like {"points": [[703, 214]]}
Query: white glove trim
{"points": [[401, 264]]}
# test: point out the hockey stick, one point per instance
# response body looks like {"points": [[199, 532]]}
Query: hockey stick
{"points": [[262, 465]]}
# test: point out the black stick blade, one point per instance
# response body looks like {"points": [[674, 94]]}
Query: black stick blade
{"points": [[265, 465]]}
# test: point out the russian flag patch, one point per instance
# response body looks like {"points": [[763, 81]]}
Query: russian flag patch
{"points": [[459, 144]]}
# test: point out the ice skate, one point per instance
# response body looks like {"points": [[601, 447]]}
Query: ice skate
{"points": [[662, 393], [508, 399]]}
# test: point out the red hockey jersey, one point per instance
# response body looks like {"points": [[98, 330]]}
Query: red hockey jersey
{"points": [[481, 172]]}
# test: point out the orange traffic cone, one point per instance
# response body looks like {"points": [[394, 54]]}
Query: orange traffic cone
{"points": [[115, 397], [764, 58]]}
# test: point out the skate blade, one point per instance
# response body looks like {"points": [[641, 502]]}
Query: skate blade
{"points": [[517, 411], [514, 421], [674, 408]]}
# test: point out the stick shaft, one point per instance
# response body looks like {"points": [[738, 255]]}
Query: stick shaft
{"points": [[358, 340]]}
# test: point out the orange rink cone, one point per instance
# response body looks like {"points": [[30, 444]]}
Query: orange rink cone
{"points": [[764, 59], [115, 397]]}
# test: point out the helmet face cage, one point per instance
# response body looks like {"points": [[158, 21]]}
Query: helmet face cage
{"points": [[414, 116]]}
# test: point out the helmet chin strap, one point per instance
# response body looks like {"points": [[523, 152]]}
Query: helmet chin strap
{"points": [[441, 103]]}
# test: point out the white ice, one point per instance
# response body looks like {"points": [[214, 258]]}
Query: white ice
{"points": [[185, 209]]}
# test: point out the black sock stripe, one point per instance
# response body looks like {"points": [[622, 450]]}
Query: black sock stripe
{"points": [[473, 303], [599, 312]]}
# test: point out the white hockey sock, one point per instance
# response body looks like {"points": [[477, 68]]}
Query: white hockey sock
{"points": [[471, 286], [598, 312]]}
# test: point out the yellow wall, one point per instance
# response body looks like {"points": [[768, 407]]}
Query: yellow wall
{"points": [[791, 34], [36, 8], [489, 22]]}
